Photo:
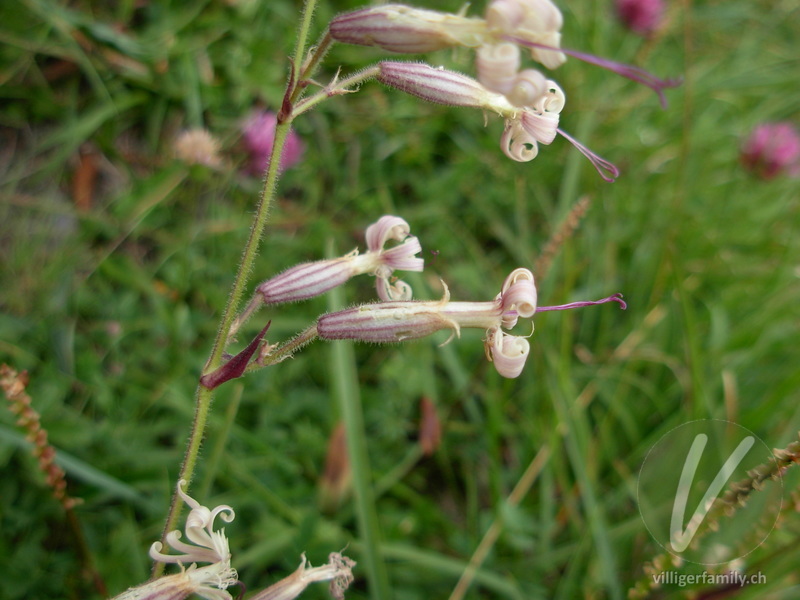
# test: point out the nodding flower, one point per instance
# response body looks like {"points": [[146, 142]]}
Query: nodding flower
{"points": [[390, 322], [525, 126], [311, 279], [314, 278]]}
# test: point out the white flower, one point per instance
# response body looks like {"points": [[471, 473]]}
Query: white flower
{"points": [[314, 278], [209, 546]]}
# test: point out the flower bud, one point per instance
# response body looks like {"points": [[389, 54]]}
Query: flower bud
{"points": [[384, 323], [406, 30], [306, 280], [439, 85]]}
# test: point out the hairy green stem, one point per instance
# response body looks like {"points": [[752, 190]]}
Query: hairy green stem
{"points": [[300, 48], [315, 56], [204, 396]]}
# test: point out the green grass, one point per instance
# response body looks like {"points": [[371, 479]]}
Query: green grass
{"points": [[113, 310]]}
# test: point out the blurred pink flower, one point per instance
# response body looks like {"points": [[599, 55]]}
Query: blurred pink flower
{"points": [[773, 149], [641, 16], [258, 133]]}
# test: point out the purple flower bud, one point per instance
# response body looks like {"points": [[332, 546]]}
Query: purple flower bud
{"points": [[641, 16], [438, 85], [384, 323], [406, 30], [773, 149], [307, 280], [258, 136]]}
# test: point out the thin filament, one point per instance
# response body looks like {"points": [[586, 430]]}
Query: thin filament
{"points": [[628, 71], [615, 298]]}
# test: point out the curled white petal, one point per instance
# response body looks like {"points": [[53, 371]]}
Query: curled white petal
{"points": [[542, 15], [387, 228], [497, 66], [508, 352], [519, 293], [393, 291], [209, 546], [521, 297], [528, 87], [517, 144], [549, 58], [542, 127], [191, 502], [537, 21], [402, 258], [553, 100], [504, 15]]}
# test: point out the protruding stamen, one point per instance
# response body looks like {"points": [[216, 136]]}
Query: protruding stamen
{"points": [[628, 71], [615, 298], [598, 162]]}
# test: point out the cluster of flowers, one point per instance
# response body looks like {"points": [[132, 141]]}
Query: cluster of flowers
{"points": [[529, 102], [397, 317], [213, 580]]}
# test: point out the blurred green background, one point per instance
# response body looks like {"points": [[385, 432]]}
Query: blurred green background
{"points": [[116, 261]]}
